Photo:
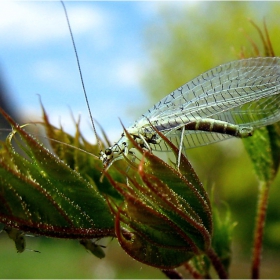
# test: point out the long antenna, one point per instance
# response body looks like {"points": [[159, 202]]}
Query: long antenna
{"points": [[81, 76]]}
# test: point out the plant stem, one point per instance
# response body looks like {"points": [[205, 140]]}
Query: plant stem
{"points": [[217, 264], [195, 274], [259, 229], [172, 274]]}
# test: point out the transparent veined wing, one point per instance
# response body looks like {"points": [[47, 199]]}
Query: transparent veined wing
{"points": [[243, 92]]}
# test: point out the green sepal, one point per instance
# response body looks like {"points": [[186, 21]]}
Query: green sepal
{"points": [[264, 150], [42, 195], [222, 235], [164, 219]]}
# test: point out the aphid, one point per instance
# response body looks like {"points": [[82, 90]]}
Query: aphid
{"points": [[94, 248], [18, 237]]}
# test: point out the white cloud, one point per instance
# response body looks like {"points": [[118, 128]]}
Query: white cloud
{"points": [[148, 9], [128, 73], [48, 70], [30, 23], [56, 73]]}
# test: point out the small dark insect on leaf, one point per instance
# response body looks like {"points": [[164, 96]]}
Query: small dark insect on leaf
{"points": [[94, 248], [18, 237]]}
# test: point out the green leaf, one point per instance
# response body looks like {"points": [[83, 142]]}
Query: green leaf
{"points": [[222, 237], [41, 194], [165, 219], [80, 155], [264, 150]]}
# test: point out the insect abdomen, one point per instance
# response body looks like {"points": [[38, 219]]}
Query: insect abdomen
{"points": [[210, 125]]}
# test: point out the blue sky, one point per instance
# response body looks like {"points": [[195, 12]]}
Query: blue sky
{"points": [[37, 57]]}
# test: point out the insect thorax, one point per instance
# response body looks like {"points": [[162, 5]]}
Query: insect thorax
{"points": [[123, 147]]}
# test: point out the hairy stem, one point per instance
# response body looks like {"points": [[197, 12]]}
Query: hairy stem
{"points": [[217, 264], [194, 273], [172, 274], [259, 230]]}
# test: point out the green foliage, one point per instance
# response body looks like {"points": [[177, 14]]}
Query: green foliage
{"points": [[80, 156], [162, 215], [165, 219], [264, 151], [42, 195], [184, 44], [222, 237]]}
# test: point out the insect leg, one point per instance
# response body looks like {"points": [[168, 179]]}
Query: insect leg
{"points": [[145, 142], [180, 147]]}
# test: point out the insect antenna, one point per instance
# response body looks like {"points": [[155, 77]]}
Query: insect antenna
{"points": [[81, 76]]}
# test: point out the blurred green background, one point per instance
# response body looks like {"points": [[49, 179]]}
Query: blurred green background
{"points": [[182, 45]]}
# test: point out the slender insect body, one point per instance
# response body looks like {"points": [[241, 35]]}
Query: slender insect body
{"points": [[210, 125], [151, 141], [230, 100], [124, 146], [114, 152]]}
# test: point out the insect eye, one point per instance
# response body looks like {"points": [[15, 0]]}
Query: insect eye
{"points": [[108, 152]]}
